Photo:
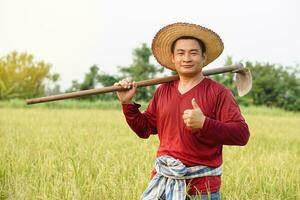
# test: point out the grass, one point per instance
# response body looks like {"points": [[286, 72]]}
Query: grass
{"points": [[65, 104], [115, 105], [92, 154]]}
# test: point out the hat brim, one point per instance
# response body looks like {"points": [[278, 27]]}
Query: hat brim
{"points": [[163, 40]]}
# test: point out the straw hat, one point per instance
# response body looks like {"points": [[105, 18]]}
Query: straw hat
{"points": [[162, 42]]}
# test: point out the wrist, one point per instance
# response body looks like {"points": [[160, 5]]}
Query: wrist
{"points": [[127, 102], [203, 121]]}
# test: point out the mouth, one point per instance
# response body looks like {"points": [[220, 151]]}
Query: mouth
{"points": [[187, 66]]}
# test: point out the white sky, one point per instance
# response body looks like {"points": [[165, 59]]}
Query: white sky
{"points": [[72, 35]]}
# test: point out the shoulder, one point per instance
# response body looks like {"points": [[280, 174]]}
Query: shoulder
{"points": [[217, 91], [214, 86], [165, 87]]}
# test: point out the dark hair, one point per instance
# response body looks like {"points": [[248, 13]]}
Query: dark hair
{"points": [[201, 44]]}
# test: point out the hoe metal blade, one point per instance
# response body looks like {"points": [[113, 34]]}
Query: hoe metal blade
{"points": [[243, 81]]}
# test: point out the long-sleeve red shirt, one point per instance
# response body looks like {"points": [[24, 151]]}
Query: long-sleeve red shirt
{"points": [[224, 125]]}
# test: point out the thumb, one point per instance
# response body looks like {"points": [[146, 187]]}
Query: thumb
{"points": [[194, 104]]}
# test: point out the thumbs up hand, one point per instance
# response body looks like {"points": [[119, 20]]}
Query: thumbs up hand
{"points": [[193, 118]]}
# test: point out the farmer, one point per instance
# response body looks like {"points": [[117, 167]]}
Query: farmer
{"points": [[193, 117]]}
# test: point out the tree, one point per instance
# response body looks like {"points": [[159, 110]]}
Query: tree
{"points": [[226, 78], [94, 79], [140, 69], [273, 85], [90, 79], [21, 76], [89, 82], [52, 86], [107, 80]]}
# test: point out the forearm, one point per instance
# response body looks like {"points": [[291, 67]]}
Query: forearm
{"points": [[141, 123], [229, 133]]}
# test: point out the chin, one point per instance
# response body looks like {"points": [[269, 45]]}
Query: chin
{"points": [[189, 72]]}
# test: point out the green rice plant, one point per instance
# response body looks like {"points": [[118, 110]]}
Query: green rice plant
{"points": [[91, 153]]}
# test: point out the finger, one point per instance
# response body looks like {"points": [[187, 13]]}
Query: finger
{"points": [[187, 124], [126, 81], [185, 121], [129, 83], [194, 104], [187, 111], [125, 84], [184, 116], [123, 81], [122, 84], [134, 84]]}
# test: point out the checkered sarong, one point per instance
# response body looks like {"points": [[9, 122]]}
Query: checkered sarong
{"points": [[169, 181]]}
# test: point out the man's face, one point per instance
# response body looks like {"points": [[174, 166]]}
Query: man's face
{"points": [[188, 58]]}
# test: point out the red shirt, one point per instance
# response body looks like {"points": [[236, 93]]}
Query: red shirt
{"points": [[224, 125]]}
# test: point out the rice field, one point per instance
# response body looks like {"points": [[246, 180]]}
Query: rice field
{"points": [[92, 154]]}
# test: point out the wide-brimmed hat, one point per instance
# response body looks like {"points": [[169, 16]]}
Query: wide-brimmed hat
{"points": [[163, 40]]}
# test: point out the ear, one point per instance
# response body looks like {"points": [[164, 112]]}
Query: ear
{"points": [[204, 55], [173, 59]]}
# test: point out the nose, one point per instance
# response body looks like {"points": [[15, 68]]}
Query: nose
{"points": [[186, 57]]}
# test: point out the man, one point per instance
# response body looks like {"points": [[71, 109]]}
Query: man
{"points": [[193, 117]]}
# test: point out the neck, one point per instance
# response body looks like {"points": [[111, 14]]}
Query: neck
{"points": [[186, 81]]}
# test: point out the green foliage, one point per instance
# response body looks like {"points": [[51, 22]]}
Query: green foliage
{"points": [[273, 85], [226, 78], [102, 104], [52, 87], [90, 78], [21, 76], [107, 80], [140, 69], [94, 79], [89, 81]]}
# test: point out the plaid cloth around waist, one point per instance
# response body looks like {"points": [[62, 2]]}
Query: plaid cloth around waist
{"points": [[169, 181]]}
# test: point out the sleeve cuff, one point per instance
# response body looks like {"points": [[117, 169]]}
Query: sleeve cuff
{"points": [[128, 108], [206, 127], [206, 124]]}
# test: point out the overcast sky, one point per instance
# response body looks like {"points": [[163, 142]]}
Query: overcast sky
{"points": [[72, 35]]}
